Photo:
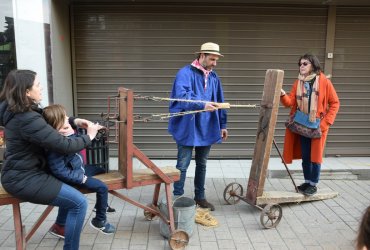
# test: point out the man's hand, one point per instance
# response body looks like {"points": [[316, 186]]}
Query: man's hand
{"points": [[224, 134], [211, 106]]}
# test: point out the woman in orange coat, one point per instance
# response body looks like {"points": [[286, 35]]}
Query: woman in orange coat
{"points": [[313, 94]]}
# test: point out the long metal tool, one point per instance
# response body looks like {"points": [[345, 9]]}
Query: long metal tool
{"points": [[286, 167]]}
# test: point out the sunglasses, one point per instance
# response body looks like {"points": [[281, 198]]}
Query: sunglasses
{"points": [[304, 64]]}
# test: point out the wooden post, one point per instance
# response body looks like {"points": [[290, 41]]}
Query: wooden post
{"points": [[125, 149], [265, 133]]}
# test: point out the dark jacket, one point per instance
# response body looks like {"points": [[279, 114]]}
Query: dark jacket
{"points": [[25, 173], [68, 168]]}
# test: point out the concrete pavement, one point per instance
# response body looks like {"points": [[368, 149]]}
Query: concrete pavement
{"points": [[326, 224]]}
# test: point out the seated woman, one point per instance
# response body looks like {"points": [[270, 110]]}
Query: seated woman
{"points": [[25, 172]]}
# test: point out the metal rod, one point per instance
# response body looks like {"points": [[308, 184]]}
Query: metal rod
{"points": [[287, 169]]}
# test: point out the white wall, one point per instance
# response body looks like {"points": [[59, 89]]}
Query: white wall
{"points": [[29, 19], [61, 54]]}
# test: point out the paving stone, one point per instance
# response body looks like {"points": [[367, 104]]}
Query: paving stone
{"points": [[326, 224]]}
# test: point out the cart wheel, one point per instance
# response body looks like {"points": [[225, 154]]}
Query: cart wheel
{"points": [[271, 215], [231, 193], [178, 240], [149, 215]]}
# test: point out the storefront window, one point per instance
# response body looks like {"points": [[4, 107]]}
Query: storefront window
{"points": [[7, 40]]}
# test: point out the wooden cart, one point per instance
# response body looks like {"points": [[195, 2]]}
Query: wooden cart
{"points": [[125, 178], [268, 201]]}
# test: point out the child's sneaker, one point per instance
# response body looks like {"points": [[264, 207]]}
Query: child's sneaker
{"points": [[103, 226], [57, 230], [110, 210]]}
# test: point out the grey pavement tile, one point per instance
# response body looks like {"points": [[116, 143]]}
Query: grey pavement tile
{"points": [[137, 247], [294, 244], [226, 244], [209, 245], [120, 243], [261, 245], [243, 246], [206, 234], [223, 235], [156, 245], [306, 225], [139, 239], [190, 247], [239, 235], [100, 246]]}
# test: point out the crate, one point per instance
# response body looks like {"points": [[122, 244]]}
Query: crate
{"points": [[98, 151]]}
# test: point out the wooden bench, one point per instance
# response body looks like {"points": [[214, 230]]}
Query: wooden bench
{"points": [[114, 180]]}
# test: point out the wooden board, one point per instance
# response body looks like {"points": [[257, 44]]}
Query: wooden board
{"points": [[278, 197], [265, 133]]}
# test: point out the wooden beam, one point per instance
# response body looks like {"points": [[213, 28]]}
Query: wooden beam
{"points": [[125, 149], [265, 133]]}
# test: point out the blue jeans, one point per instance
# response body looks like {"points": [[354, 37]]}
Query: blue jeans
{"points": [[184, 155], [94, 185], [74, 205], [311, 170], [100, 188]]}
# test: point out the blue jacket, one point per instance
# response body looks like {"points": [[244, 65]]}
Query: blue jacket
{"points": [[68, 168], [200, 129]]}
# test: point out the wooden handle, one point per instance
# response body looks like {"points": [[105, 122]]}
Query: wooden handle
{"points": [[224, 105]]}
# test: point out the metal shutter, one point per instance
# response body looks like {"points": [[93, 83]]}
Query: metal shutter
{"points": [[141, 47], [351, 77]]}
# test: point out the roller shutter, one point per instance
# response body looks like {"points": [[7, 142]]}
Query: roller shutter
{"points": [[141, 47], [351, 74]]}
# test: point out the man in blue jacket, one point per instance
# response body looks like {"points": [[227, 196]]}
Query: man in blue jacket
{"points": [[197, 82]]}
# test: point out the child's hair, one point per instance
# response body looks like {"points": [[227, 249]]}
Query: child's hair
{"points": [[55, 115], [363, 239]]}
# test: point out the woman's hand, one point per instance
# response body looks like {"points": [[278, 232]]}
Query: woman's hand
{"points": [[82, 123], [92, 129]]}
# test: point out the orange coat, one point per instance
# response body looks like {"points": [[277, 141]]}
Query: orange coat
{"points": [[328, 106]]}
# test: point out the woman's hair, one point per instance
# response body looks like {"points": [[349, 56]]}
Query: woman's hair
{"points": [[55, 115], [316, 66], [15, 88], [363, 238]]}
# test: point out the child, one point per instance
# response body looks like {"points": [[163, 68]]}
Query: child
{"points": [[70, 169]]}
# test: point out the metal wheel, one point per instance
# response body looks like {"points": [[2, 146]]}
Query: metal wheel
{"points": [[149, 215], [178, 240], [271, 215], [231, 193]]}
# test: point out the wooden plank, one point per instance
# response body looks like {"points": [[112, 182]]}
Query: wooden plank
{"points": [[125, 149], [148, 174], [277, 197], [265, 133]]}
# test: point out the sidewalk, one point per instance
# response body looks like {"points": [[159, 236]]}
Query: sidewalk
{"points": [[326, 224], [353, 168]]}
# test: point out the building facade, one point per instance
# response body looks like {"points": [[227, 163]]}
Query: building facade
{"points": [[96, 47]]}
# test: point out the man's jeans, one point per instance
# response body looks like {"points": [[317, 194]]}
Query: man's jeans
{"points": [[311, 170], [184, 155], [72, 210]]}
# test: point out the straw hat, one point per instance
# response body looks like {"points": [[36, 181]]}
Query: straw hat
{"points": [[210, 48]]}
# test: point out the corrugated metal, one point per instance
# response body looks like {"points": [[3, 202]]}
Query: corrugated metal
{"points": [[351, 75], [142, 47]]}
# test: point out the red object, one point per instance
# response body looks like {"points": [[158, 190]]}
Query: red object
{"points": [[83, 153]]}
